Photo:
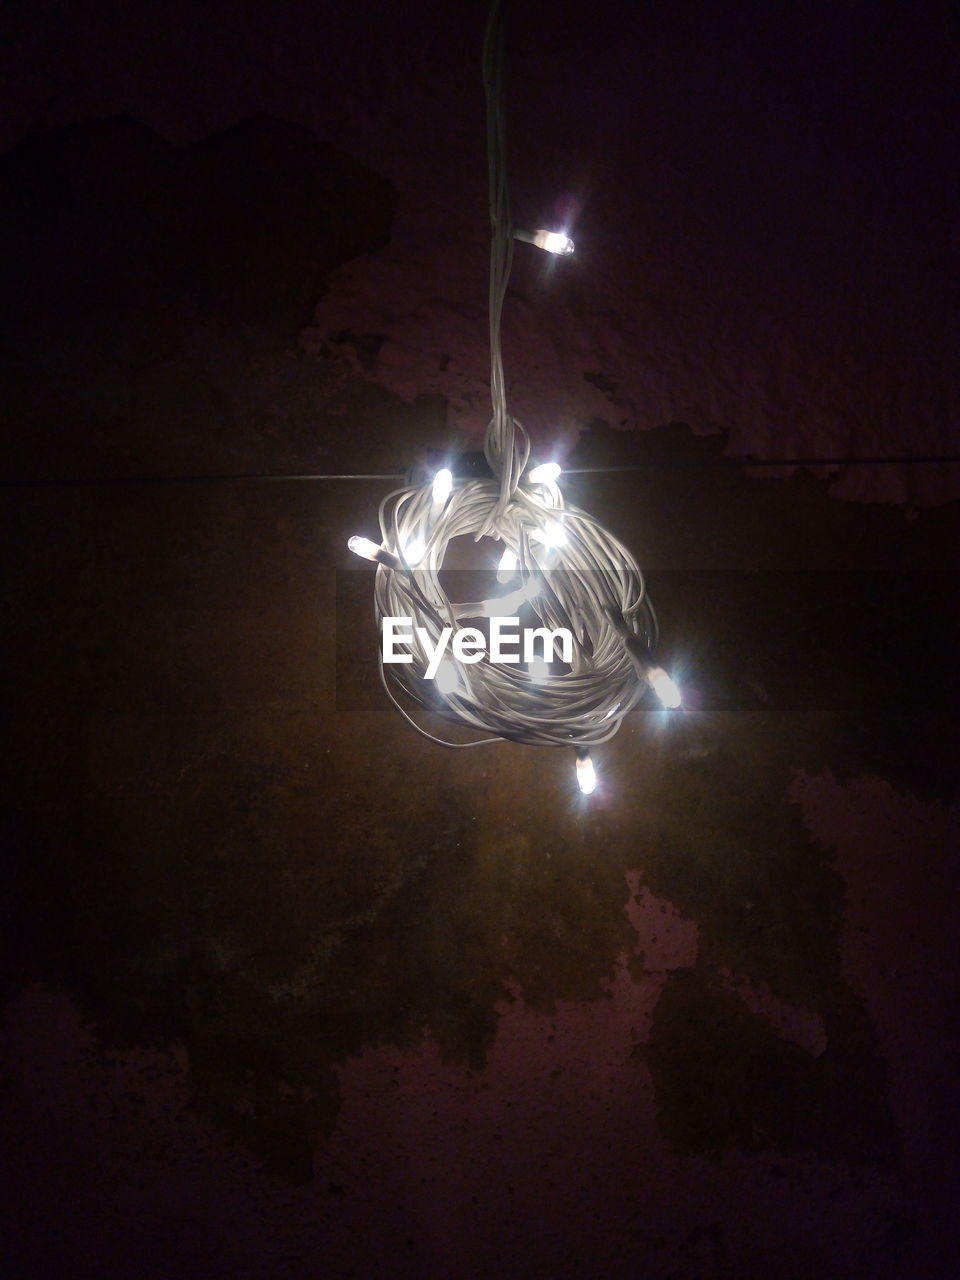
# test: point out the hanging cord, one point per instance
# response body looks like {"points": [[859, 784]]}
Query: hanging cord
{"points": [[564, 571], [506, 445], [563, 578]]}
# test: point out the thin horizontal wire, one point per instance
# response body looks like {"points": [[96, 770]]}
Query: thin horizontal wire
{"points": [[242, 478], [254, 477], [763, 462]]}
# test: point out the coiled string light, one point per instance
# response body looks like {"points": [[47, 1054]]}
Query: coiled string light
{"points": [[564, 570]]}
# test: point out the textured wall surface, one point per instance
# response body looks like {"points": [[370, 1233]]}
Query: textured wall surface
{"points": [[289, 990]]}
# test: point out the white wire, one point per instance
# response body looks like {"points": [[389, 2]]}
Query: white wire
{"points": [[576, 586], [506, 446], [590, 585]]}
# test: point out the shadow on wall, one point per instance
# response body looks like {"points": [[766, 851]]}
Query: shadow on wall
{"points": [[141, 283], [203, 850]]}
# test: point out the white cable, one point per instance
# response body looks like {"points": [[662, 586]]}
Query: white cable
{"points": [[591, 586], [564, 569]]}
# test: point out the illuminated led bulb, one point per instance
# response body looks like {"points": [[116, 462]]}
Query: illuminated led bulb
{"points": [[546, 473], [447, 678], [539, 670], [442, 485], [586, 774], [414, 550], [363, 547], [664, 687], [641, 657], [370, 551], [553, 535], [508, 566], [552, 241]]}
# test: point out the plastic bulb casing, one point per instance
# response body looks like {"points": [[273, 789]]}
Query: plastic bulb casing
{"points": [[413, 550], [553, 535], [442, 486], [664, 687], [363, 547], [546, 473], [554, 242], [586, 773], [370, 551], [658, 679]]}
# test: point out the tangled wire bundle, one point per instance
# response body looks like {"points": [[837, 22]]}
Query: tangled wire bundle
{"points": [[562, 566], [562, 569]]}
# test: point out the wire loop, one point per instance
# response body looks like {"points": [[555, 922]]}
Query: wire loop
{"points": [[580, 585]]}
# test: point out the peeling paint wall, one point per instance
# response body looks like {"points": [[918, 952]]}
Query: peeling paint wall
{"points": [[289, 990]]}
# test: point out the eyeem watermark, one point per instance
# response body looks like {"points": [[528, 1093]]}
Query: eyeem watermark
{"points": [[509, 642]]}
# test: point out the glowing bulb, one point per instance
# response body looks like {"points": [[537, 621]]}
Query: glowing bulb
{"points": [[414, 550], [664, 687], [554, 535], [447, 678], [370, 551], [539, 670], [508, 566], [553, 241], [546, 473], [641, 657], [442, 485], [586, 774], [363, 547]]}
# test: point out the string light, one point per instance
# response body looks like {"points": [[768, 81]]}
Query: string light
{"points": [[363, 547], [664, 687], [546, 473], [576, 578], [414, 550], [370, 551], [586, 773], [553, 241], [648, 669], [442, 485], [552, 535]]}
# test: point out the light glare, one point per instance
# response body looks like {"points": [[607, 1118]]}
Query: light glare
{"points": [[546, 473], [586, 774], [665, 689], [414, 549], [442, 485], [553, 242], [554, 535], [363, 547]]}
